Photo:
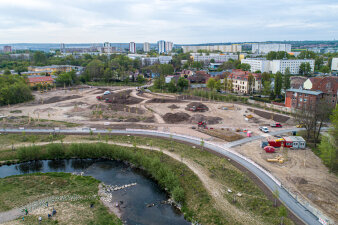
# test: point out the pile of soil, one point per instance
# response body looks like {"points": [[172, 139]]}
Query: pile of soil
{"points": [[199, 107], [176, 117], [173, 106], [209, 119], [163, 100], [123, 98], [149, 120], [98, 107], [270, 116], [60, 99], [132, 120]]}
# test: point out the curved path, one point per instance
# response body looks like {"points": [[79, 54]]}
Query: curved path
{"points": [[271, 182]]}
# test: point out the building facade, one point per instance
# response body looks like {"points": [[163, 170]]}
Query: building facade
{"points": [[146, 47], [146, 61], [334, 64], [132, 47], [7, 49], [43, 80], [161, 46], [293, 65], [256, 64], [266, 48], [219, 58], [169, 46], [222, 48], [240, 81]]}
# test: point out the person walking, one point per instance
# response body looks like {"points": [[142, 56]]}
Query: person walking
{"points": [[40, 219]]}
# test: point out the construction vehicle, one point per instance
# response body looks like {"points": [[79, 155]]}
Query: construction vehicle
{"points": [[279, 159], [202, 124], [249, 116]]}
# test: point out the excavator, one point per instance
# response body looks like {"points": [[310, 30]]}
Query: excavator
{"points": [[202, 124]]}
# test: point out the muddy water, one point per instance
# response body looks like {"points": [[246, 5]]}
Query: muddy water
{"points": [[135, 199]]}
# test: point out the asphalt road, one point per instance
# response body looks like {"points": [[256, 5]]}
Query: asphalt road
{"points": [[299, 210]]}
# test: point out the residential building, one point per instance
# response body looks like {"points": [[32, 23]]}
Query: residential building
{"points": [[211, 48], [43, 80], [7, 49], [293, 65], [132, 47], [146, 47], [297, 82], [262, 48], [169, 46], [200, 77], [219, 58], [315, 90], [62, 48], [146, 61], [240, 81], [256, 64], [334, 65], [161, 46], [38, 70], [186, 73]]}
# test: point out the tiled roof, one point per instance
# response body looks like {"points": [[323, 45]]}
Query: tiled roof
{"points": [[39, 79]]}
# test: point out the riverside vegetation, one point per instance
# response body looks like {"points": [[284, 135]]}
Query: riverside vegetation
{"points": [[177, 178]]}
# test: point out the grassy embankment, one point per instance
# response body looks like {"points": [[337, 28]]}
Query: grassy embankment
{"points": [[180, 181], [21, 121], [17, 191]]}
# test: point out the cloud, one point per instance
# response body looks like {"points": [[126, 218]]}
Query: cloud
{"points": [[181, 21]]}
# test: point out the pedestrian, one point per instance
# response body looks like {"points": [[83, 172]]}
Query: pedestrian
{"points": [[47, 204], [40, 219], [23, 218], [26, 211]]}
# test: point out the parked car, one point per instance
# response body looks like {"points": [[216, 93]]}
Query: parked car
{"points": [[276, 125], [264, 129], [269, 149], [98, 97], [300, 125], [106, 93]]}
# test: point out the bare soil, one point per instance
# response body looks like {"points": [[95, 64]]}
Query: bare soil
{"points": [[176, 117], [268, 115], [60, 99], [198, 106], [163, 100], [223, 134], [173, 106]]}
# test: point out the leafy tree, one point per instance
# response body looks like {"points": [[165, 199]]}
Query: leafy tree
{"points": [[140, 79], [307, 55], [172, 87], [212, 60], [7, 72], [197, 65], [39, 58], [282, 213], [266, 87], [286, 79], [325, 69], [245, 67], [278, 83], [251, 82], [278, 55], [64, 79], [227, 65], [94, 70], [159, 82], [258, 71], [319, 61], [305, 68], [107, 75], [218, 85], [182, 84], [211, 83]]}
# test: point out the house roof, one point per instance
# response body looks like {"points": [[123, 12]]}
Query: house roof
{"points": [[309, 92], [297, 81], [327, 85], [243, 75], [39, 79]]}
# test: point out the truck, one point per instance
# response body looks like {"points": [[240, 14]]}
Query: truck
{"points": [[276, 125]]}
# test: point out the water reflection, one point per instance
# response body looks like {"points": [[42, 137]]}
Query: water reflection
{"points": [[30, 167], [58, 165]]}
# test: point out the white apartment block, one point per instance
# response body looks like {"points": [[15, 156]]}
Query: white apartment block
{"points": [[168, 46], [146, 47], [334, 65], [222, 48], [146, 61], [219, 58], [292, 64], [262, 65], [266, 48], [161, 46], [132, 47]]}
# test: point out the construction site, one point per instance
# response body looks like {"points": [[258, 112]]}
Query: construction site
{"points": [[129, 108]]}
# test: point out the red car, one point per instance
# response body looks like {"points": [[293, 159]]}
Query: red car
{"points": [[98, 97], [269, 149], [276, 125]]}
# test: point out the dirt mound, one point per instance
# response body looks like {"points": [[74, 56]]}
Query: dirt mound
{"points": [[163, 100], [173, 106], [149, 120], [299, 180], [209, 119], [270, 116], [132, 120], [60, 99], [123, 98], [176, 117], [197, 107], [98, 106]]}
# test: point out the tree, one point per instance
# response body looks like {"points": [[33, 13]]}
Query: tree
{"points": [[266, 87], [278, 83], [286, 79], [266, 77], [307, 55], [325, 69], [39, 58], [319, 61], [282, 213], [251, 82], [258, 71], [277, 55], [230, 85], [182, 84], [107, 75], [305, 68], [159, 82], [225, 81], [245, 67], [172, 87], [94, 70], [211, 83], [218, 85], [140, 79], [7, 72], [227, 65], [64, 79], [212, 60]]}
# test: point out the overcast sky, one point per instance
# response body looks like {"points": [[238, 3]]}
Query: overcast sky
{"points": [[180, 21]]}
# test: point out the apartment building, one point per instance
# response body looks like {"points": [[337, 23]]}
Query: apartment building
{"points": [[7, 49], [292, 64], [256, 64], [146, 47], [146, 61], [211, 48], [334, 64], [169, 46], [161, 46], [262, 48], [132, 47], [219, 58], [240, 81]]}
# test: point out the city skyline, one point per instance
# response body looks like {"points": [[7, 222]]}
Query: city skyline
{"points": [[183, 22]]}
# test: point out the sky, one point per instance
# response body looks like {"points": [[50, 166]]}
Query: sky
{"points": [[180, 21]]}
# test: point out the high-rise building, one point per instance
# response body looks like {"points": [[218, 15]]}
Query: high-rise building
{"points": [[132, 47], [266, 48], [168, 46], [106, 45], [146, 47], [7, 48], [62, 48], [161, 46], [222, 48]]}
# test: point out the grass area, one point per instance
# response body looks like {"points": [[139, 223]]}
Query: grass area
{"points": [[197, 203], [17, 191], [9, 139], [16, 111]]}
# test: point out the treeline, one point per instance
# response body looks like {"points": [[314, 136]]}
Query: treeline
{"points": [[14, 89], [211, 95]]}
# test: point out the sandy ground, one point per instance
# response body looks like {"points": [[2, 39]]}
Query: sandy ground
{"points": [[303, 174]]}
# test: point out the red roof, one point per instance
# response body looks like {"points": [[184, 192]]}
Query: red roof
{"points": [[328, 85], [40, 79], [243, 75]]}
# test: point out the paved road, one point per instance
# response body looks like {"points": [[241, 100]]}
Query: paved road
{"points": [[299, 210]]}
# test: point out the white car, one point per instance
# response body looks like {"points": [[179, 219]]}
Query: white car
{"points": [[106, 93], [264, 129]]}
